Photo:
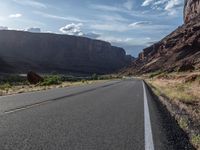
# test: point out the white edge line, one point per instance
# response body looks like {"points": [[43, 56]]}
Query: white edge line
{"points": [[147, 123]]}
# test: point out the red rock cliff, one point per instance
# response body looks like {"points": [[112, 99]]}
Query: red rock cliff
{"points": [[179, 51], [191, 9]]}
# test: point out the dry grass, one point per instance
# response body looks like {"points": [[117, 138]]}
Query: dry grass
{"points": [[178, 86], [182, 89], [185, 92], [179, 89], [9, 90]]}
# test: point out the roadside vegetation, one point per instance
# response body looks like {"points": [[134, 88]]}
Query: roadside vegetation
{"points": [[182, 90], [13, 84], [51, 80], [178, 86]]}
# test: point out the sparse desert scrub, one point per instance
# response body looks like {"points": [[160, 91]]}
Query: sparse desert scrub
{"points": [[178, 88], [31, 88], [13, 80], [5, 86], [182, 87], [183, 91], [196, 140], [51, 80], [13, 84]]}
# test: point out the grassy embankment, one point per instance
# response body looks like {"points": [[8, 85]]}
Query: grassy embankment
{"points": [[183, 91], [14, 84]]}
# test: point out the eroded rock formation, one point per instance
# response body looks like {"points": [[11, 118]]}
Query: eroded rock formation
{"points": [[191, 9], [179, 51], [46, 53]]}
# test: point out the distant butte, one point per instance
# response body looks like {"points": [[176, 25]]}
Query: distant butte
{"points": [[46, 53]]}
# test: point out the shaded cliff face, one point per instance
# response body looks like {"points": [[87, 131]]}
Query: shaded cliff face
{"points": [[43, 52], [191, 9]]}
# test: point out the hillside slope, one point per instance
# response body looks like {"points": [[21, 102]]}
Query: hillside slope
{"points": [[179, 51], [46, 53]]}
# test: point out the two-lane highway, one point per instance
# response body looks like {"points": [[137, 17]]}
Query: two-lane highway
{"points": [[113, 115]]}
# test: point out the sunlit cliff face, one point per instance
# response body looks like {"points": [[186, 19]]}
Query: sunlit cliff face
{"points": [[191, 9]]}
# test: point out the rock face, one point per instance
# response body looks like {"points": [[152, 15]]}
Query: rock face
{"points": [[179, 51], [191, 9], [34, 78], [46, 53]]}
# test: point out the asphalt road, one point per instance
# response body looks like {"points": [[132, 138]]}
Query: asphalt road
{"points": [[114, 115]]}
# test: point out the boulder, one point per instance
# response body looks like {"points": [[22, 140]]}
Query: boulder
{"points": [[34, 78]]}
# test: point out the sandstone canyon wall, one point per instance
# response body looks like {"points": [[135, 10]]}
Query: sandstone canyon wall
{"points": [[179, 51], [21, 52], [191, 9]]}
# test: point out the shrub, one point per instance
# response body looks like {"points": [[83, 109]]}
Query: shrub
{"points": [[95, 77], [83, 80], [155, 74], [13, 80], [196, 140], [5, 86], [51, 80]]}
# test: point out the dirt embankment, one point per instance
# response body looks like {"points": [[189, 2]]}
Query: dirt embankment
{"points": [[180, 93]]}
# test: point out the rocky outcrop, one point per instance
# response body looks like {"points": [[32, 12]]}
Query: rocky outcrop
{"points": [[191, 9], [46, 53], [179, 51], [34, 78]]}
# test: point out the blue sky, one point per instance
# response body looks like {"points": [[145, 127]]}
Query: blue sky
{"points": [[131, 24]]}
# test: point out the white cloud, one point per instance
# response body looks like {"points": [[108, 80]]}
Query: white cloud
{"points": [[173, 4], [128, 4], [34, 30], [106, 8], [32, 3], [47, 15], [147, 2], [140, 23], [15, 15], [147, 26], [169, 6], [125, 9], [126, 40], [160, 2], [114, 17], [7, 28], [49, 32], [72, 29], [75, 29], [3, 28], [92, 35], [117, 27], [148, 38], [115, 8]]}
